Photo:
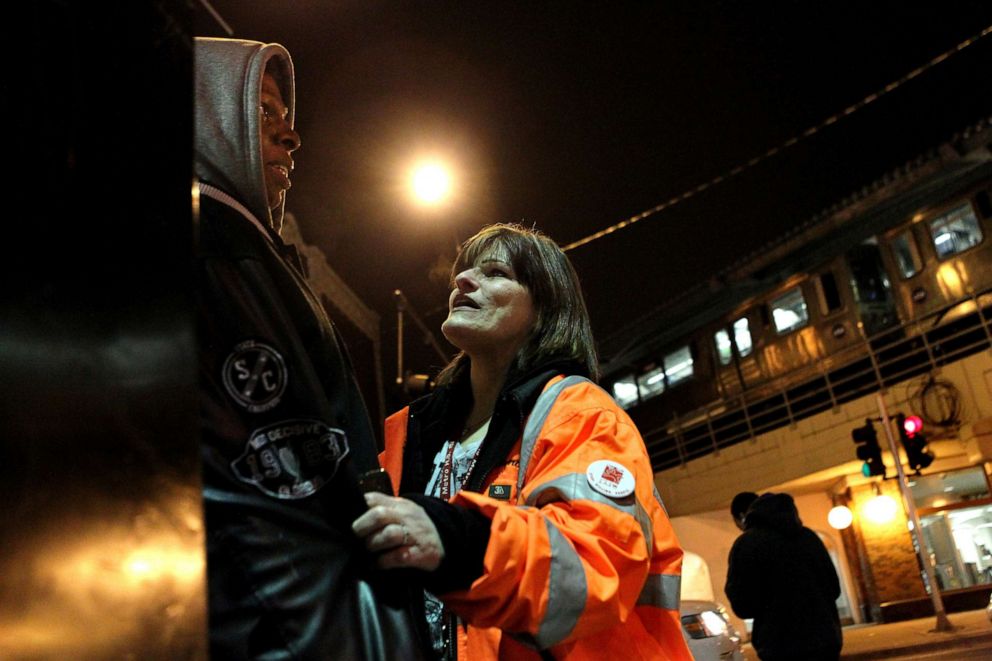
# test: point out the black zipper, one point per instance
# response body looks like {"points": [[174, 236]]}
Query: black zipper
{"points": [[448, 633]]}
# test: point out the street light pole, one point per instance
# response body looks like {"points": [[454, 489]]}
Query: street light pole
{"points": [[943, 624], [400, 305], [431, 186], [403, 307]]}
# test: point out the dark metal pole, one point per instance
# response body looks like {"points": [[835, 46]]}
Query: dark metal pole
{"points": [[400, 305], [943, 624], [403, 305]]}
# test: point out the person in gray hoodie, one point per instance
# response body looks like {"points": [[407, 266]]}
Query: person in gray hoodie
{"points": [[781, 575], [285, 433]]}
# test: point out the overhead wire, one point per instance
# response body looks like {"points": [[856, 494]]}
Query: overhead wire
{"points": [[791, 142]]}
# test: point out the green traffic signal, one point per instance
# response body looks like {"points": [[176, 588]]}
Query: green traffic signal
{"points": [[868, 450]]}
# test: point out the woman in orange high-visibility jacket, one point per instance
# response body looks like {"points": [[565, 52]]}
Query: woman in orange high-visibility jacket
{"points": [[528, 503]]}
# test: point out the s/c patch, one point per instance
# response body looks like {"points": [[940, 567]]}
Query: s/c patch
{"points": [[255, 376]]}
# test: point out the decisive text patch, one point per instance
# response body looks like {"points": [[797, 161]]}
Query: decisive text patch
{"points": [[291, 459]]}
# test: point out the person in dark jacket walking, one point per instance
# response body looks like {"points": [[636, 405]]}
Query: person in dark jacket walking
{"points": [[781, 575], [285, 433]]}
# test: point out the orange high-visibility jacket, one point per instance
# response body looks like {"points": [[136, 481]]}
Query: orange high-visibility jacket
{"points": [[575, 564]]}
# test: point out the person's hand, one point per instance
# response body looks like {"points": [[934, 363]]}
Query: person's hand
{"points": [[400, 532]]}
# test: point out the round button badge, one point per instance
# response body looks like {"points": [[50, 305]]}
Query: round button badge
{"points": [[610, 478]]}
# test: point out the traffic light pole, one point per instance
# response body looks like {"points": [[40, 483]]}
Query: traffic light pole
{"points": [[943, 624]]}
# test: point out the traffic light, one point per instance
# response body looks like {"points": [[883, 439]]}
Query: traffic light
{"points": [[914, 441], [868, 450]]}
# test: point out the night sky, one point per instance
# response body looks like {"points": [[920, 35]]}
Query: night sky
{"points": [[573, 116]]}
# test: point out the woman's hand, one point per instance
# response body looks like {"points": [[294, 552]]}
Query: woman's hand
{"points": [[400, 532]]}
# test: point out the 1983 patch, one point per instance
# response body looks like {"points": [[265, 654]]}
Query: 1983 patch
{"points": [[291, 459], [255, 376], [610, 478]]}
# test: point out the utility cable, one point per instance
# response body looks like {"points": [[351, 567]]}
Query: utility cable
{"points": [[791, 142]]}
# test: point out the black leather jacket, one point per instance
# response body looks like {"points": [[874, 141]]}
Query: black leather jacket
{"points": [[285, 433]]}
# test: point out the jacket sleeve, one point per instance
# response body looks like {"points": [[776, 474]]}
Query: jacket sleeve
{"points": [[569, 559], [741, 587]]}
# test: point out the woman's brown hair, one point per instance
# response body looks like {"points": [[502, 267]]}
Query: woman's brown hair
{"points": [[562, 329]]}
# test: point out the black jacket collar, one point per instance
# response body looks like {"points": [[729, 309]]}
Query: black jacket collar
{"points": [[437, 417]]}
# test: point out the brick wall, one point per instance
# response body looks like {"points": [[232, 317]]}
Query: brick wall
{"points": [[892, 568]]}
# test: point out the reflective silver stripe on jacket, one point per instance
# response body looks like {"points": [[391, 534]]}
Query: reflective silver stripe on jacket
{"points": [[567, 587], [661, 590], [575, 486], [567, 590], [657, 496], [536, 420]]}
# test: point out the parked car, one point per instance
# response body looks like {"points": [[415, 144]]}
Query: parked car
{"points": [[708, 631]]}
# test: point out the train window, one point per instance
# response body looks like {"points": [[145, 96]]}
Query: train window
{"points": [[765, 321], [721, 339], [789, 311], [742, 337], [955, 231], [651, 383], [625, 391], [907, 254], [869, 282], [828, 293], [678, 365]]}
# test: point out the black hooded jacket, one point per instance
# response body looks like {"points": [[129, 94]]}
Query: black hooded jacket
{"points": [[285, 433], [781, 575]]}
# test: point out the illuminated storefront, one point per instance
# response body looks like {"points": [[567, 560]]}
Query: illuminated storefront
{"points": [[955, 509]]}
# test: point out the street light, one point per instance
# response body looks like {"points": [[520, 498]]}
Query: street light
{"points": [[430, 182]]}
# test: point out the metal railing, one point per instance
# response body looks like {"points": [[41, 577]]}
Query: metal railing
{"points": [[881, 361]]}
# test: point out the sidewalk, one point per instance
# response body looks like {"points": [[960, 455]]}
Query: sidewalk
{"points": [[884, 641]]}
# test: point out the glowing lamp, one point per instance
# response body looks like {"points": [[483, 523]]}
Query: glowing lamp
{"points": [[840, 517], [431, 183], [881, 509]]}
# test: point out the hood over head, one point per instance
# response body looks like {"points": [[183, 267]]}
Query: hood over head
{"points": [[228, 146], [774, 510]]}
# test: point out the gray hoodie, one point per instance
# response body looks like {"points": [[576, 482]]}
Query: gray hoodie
{"points": [[286, 577], [228, 146]]}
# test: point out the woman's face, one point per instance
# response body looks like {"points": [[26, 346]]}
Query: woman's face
{"points": [[490, 313]]}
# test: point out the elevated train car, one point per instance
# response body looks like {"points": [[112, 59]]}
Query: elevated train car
{"points": [[887, 285]]}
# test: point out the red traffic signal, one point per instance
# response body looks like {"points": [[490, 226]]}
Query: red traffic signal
{"points": [[912, 424], [914, 441]]}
